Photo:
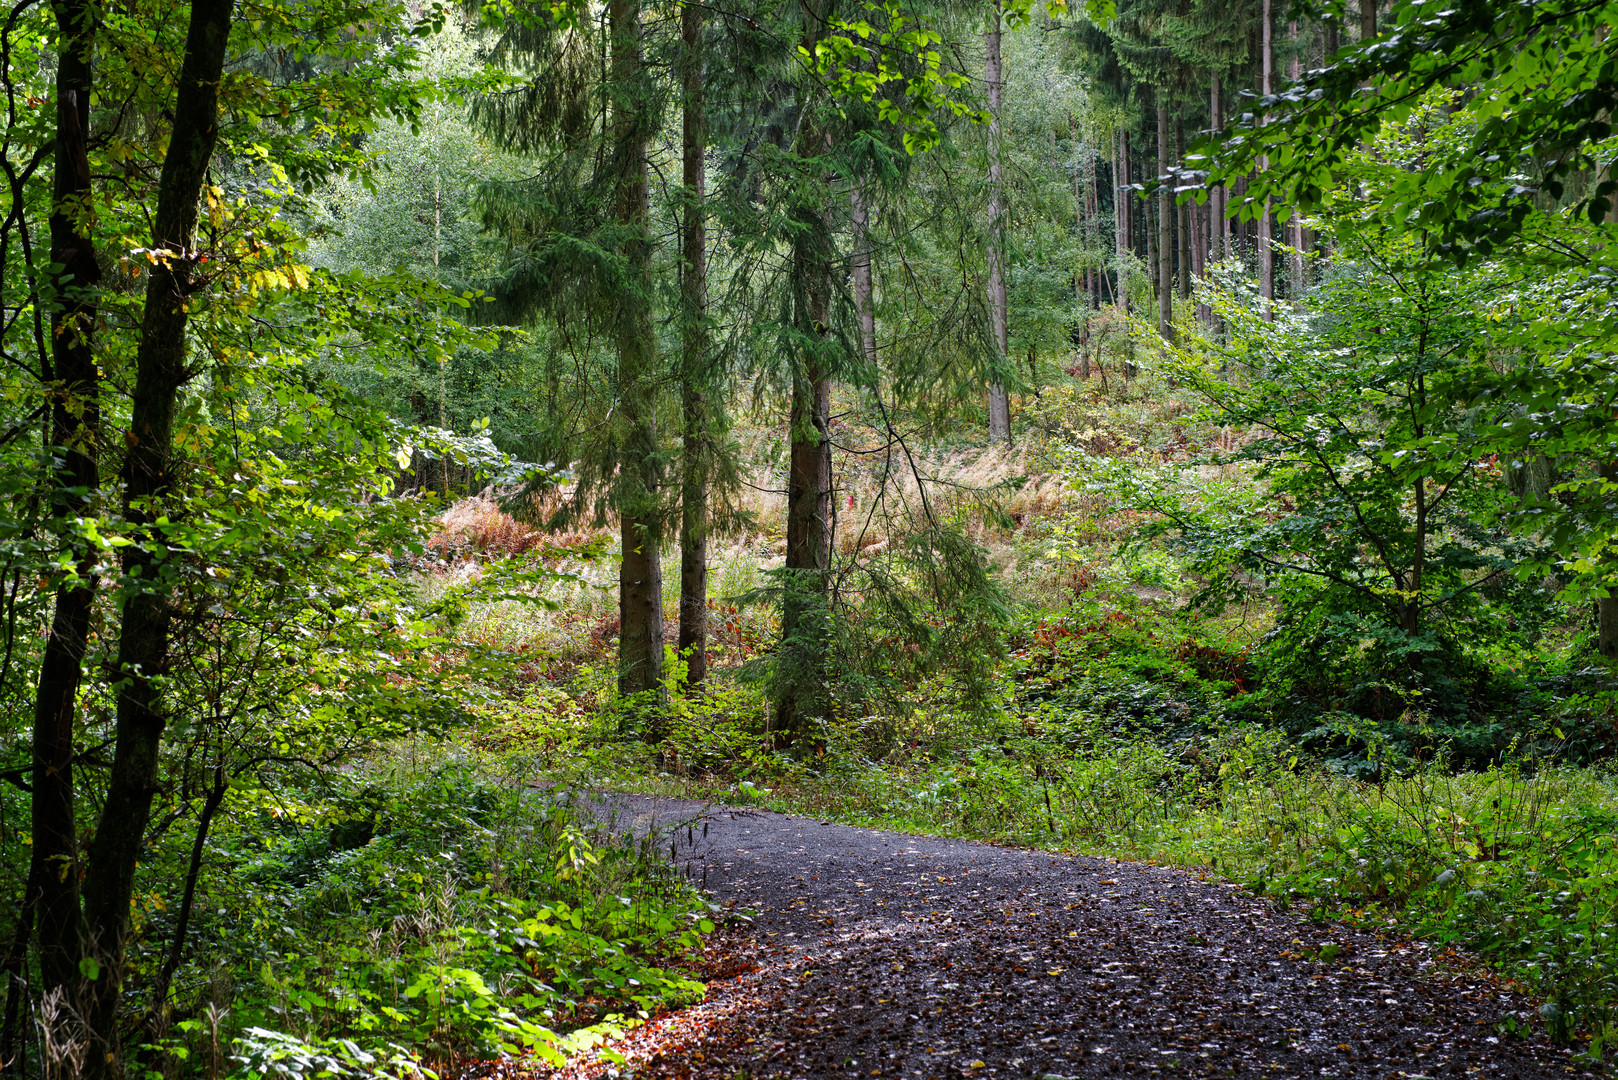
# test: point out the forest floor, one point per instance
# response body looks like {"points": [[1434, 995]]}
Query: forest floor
{"points": [[880, 954]]}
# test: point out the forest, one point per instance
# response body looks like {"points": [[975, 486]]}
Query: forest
{"points": [[1175, 434]]}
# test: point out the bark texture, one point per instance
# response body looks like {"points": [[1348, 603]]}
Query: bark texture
{"points": [[640, 574]]}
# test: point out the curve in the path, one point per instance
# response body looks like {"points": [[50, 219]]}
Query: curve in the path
{"points": [[895, 955]]}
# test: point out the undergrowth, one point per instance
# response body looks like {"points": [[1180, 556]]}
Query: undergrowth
{"points": [[421, 911]]}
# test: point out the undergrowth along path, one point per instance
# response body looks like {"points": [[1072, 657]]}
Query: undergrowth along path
{"points": [[880, 954]]}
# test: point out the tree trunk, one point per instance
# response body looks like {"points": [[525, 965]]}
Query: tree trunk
{"points": [[1607, 606], [696, 449], [75, 433], [1219, 197], [1126, 197], [1410, 606], [1266, 252], [149, 495], [1197, 243], [864, 293], [1093, 197], [640, 575], [1165, 241], [1186, 235], [1120, 220], [801, 658], [1081, 278], [999, 400], [1295, 224]]}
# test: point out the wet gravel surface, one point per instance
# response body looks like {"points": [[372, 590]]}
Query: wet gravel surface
{"points": [[878, 954]]}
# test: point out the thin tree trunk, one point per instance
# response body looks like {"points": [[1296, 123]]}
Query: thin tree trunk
{"points": [[695, 444], [1607, 606], [13, 1045], [1098, 275], [149, 495], [1195, 237], [1295, 224], [1185, 237], [1266, 252], [1410, 606], [1126, 196], [75, 433], [640, 574], [864, 293], [999, 400], [1120, 220], [1219, 197], [1165, 241], [1081, 278], [199, 842]]}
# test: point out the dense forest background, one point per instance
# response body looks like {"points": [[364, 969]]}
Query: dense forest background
{"points": [[1178, 430]]}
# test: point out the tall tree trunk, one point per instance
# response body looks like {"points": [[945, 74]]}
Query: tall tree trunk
{"points": [[1120, 219], [75, 435], [864, 293], [1165, 241], [1295, 238], [1367, 20], [1126, 196], [1081, 279], [1186, 234], [640, 575], [1097, 276], [999, 400], [1266, 251], [696, 448], [1197, 242], [1607, 606], [149, 496], [1219, 197], [800, 663], [801, 659]]}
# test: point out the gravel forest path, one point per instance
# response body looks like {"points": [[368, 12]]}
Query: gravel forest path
{"points": [[880, 954]]}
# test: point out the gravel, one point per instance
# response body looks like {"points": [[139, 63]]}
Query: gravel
{"points": [[873, 953]]}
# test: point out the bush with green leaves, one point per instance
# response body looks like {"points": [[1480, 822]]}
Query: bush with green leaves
{"points": [[424, 913], [1360, 499]]}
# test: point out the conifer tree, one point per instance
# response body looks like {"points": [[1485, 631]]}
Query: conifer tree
{"points": [[696, 391], [582, 253], [999, 400]]}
